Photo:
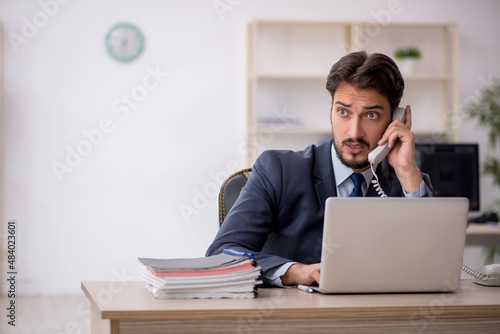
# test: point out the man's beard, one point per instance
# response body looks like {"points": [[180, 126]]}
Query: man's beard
{"points": [[351, 164]]}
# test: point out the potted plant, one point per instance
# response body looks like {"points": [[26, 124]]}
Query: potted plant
{"points": [[486, 111], [407, 57]]}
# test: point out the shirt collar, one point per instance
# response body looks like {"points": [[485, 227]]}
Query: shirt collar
{"points": [[342, 172]]}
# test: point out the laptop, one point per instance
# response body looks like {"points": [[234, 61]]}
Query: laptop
{"points": [[392, 245]]}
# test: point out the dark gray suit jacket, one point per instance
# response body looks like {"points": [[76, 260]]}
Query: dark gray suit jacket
{"points": [[279, 213]]}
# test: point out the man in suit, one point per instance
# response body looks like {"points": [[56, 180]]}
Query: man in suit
{"points": [[279, 213]]}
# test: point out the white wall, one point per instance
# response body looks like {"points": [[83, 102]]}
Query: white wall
{"points": [[124, 199]]}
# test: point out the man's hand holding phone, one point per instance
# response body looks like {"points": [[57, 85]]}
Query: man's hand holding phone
{"points": [[402, 156]]}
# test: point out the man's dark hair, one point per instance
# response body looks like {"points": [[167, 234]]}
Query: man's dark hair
{"points": [[363, 71]]}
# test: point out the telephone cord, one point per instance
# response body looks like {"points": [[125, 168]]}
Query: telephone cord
{"points": [[474, 273], [376, 184]]}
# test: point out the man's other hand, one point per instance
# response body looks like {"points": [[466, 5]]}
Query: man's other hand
{"points": [[298, 273]]}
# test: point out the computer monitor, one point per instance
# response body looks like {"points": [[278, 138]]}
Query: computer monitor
{"points": [[453, 169]]}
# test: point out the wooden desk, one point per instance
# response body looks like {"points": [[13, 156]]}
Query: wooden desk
{"points": [[482, 235], [126, 307]]}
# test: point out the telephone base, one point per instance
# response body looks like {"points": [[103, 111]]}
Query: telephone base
{"points": [[487, 282]]}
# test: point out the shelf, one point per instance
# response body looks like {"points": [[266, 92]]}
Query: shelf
{"points": [[289, 62], [284, 129], [428, 77], [281, 47], [279, 76]]}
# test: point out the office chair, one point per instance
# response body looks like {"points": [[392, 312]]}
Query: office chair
{"points": [[230, 190]]}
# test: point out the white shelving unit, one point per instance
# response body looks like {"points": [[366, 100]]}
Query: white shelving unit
{"points": [[288, 64]]}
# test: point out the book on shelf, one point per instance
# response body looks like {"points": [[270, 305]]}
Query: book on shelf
{"points": [[218, 276]]}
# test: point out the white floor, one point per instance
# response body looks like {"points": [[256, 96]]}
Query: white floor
{"points": [[47, 315]]}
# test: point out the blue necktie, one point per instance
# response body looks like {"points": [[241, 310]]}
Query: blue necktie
{"points": [[357, 179]]}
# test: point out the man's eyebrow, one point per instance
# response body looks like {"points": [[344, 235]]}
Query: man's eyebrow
{"points": [[373, 107], [376, 106], [342, 103]]}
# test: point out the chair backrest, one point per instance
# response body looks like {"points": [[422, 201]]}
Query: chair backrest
{"points": [[230, 190]]}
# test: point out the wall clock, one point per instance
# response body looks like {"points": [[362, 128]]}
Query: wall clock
{"points": [[124, 42]]}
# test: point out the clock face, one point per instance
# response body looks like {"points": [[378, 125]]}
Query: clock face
{"points": [[124, 42]]}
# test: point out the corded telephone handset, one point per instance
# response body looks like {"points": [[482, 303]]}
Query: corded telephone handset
{"points": [[379, 153], [486, 275]]}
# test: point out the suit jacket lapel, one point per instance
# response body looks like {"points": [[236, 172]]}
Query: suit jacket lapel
{"points": [[323, 172]]}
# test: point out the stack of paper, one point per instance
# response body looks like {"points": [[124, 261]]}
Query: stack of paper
{"points": [[218, 276]]}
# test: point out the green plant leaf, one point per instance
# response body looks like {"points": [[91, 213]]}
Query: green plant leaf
{"points": [[491, 255], [486, 110], [491, 166], [411, 52]]}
